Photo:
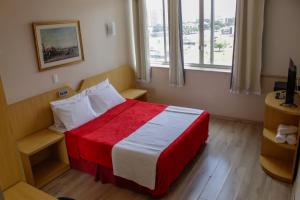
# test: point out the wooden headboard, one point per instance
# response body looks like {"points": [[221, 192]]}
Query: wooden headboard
{"points": [[121, 78], [34, 114]]}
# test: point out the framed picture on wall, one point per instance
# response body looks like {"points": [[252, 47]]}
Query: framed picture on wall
{"points": [[58, 44]]}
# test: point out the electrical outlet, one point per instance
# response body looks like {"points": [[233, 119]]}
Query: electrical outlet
{"points": [[63, 92]]}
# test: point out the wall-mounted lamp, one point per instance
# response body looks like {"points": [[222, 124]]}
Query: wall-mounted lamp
{"points": [[111, 29]]}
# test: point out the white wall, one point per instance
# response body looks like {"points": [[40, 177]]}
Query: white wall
{"points": [[282, 36], [18, 66], [210, 90]]}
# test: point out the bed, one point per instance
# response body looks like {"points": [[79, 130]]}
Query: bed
{"points": [[92, 147]]}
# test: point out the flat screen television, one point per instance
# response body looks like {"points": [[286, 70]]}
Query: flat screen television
{"points": [[291, 84]]}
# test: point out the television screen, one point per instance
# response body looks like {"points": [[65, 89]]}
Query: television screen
{"points": [[291, 84]]}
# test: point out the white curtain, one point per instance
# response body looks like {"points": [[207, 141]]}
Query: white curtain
{"points": [[139, 39], [176, 71], [247, 62]]}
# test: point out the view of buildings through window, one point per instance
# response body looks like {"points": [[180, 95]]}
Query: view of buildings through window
{"points": [[158, 30], [208, 31]]}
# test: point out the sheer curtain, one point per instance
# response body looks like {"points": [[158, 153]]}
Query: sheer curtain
{"points": [[139, 39], [247, 62], [176, 71]]}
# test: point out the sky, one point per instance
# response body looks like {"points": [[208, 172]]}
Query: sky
{"points": [[59, 37], [223, 8]]}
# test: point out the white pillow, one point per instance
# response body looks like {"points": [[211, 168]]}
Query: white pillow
{"points": [[75, 113], [99, 86], [57, 122], [105, 99]]}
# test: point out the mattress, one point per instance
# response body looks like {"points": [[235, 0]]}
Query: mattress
{"points": [[94, 141]]}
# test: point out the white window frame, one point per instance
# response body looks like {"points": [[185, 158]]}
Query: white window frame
{"points": [[165, 31]]}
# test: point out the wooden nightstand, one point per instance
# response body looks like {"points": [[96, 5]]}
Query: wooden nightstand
{"points": [[44, 157], [135, 94]]}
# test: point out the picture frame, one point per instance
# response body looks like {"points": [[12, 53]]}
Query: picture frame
{"points": [[58, 43]]}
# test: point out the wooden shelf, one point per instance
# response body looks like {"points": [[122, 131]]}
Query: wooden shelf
{"points": [[277, 168], [276, 104], [25, 192], [270, 135], [279, 160], [133, 93], [38, 141], [46, 170]]}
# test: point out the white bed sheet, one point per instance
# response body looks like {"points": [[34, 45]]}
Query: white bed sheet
{"points": [[135, 157]]}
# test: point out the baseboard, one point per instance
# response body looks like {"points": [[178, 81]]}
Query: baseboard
{"points": [[236, 119]]}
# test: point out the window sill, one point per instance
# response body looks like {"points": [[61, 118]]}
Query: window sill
{"points": [[206, 69]]}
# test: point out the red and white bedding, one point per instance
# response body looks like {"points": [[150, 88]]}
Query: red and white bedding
{"points": [[95, 141], [135, 157]]}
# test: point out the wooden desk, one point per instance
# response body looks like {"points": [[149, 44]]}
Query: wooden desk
{"points": [[44, 157], [23, 191], [279, 160], [135, 94]]}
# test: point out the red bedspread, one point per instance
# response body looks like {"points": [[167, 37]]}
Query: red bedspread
{"points": [[94, 141]]}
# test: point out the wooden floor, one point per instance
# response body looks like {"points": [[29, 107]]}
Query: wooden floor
{"points": [[227, 168]]}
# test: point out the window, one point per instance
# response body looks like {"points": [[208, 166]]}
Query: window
{"points": [[208, 32], [158, 30]]}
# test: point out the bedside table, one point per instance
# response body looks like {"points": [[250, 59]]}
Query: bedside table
{"points": [[44, 157], [135, 94]]}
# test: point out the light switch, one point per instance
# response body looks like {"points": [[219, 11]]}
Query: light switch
{"points": [[55, 79], [111, 29]]}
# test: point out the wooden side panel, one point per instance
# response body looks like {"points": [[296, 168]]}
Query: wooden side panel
{"points": [[10, 170], [121, 78], [27, 169], [26, 192], [296, 159], [33, 114], [62, 153]]}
